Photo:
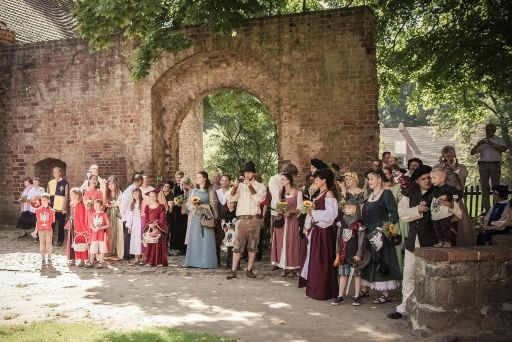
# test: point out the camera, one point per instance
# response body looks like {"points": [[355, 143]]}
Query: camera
{"points": [[340, 178]]}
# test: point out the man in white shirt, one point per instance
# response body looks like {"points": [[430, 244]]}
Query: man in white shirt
{"points": [[222, 204], [248, 196], [93, 171], [489, 166]]}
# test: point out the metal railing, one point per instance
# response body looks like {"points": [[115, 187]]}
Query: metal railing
{"points": [[473, 199]]}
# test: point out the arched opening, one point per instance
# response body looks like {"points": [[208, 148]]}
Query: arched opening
{"points": [[223, 130], [44, 168]]}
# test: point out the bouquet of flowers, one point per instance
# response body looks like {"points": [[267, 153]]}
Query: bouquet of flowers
{"points": [[391, 232], [178, 200], [23, 199], [196, 201], [282, 207], [307, 207], [341, 203], [89, 202]]}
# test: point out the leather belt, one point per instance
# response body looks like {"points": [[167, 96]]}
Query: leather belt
{"points": [[249, 217]]}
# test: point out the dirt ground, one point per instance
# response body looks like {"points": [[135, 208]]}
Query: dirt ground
{"points": [[269, 308]]}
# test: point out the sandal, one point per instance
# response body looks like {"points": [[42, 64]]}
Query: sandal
{"points": [[382, 299], [99, 265], [88, 264]]}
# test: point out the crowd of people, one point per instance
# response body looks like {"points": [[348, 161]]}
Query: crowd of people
{"points": [[328, 232]]}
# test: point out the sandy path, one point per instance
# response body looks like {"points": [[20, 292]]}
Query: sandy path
{"points": [[269, 308]]}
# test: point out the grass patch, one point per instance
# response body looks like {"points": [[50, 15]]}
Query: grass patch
{"points": [[84, 332]]}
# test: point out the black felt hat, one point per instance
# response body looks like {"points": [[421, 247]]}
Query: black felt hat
{"points": [[249, 167], [501, 190], [420, 171], [318, 164]]}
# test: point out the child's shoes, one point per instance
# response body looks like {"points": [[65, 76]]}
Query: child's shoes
{"points": [[338, 301], [357, 301]]}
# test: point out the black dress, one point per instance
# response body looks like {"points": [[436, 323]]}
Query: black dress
{"points": [[374, 214], [178, 224]]}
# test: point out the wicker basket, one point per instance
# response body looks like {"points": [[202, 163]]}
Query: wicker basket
{"points": [[80, 246], [152, 235]]}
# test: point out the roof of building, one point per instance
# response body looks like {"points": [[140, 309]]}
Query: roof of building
{"points": [[421, 141], [38, 20]]}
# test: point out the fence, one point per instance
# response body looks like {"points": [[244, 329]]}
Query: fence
{"points": [[473, 199]]}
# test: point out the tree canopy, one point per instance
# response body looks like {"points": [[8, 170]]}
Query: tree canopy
{"points": [[238, 128], [457, 53]]}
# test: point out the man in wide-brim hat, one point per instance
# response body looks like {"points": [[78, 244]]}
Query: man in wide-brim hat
{"points": [[414, 208], [248, 196]]}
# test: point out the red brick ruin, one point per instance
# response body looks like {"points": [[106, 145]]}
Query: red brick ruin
{"points": [[61, 104]]}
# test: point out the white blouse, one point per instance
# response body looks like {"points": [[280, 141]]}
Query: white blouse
{"points": [[323, 218]]}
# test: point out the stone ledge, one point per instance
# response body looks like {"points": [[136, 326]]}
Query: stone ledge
{"points": [[457, 254], [505, 240]]}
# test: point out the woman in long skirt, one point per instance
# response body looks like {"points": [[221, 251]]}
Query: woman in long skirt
{"points": [[115, 232], [25, 220], [201, 249], [318, 274], [383, 272], [285, 240]]}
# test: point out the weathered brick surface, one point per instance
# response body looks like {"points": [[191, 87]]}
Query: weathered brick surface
{"points": [[316, 73]]}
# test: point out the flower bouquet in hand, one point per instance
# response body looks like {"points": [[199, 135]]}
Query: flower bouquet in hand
{"points": [[22, 199], [307, 207], [178, 200], [89, 202], [196, 201], [391, 232], [282, 207]]}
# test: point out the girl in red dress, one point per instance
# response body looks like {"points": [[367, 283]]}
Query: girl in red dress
{"points": [[78, 234], [99, 237], [91, 193], [155, 213]]}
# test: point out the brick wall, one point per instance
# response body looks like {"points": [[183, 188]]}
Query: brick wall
{"points": [[315, 72], [191, 140]]}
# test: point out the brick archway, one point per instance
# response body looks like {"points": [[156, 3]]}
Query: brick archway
{"points": [[183, 85]]}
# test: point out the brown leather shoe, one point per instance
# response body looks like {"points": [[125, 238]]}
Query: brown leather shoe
{"points": [[251, 274], [231, 275]]}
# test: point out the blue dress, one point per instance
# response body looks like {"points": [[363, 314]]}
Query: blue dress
{"points": [[201, 249]]}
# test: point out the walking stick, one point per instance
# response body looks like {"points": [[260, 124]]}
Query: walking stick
{"points": [[352, 271]]}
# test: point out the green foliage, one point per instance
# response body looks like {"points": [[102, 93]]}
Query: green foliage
{"points": [[238, 128], [392, 113], [79, 332]]}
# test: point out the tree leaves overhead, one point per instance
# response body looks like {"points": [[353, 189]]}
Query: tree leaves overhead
{"points": [[238, 128]]}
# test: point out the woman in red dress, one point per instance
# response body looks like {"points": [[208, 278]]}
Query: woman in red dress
{"points": [[78, 233], [91, 193], [155, 213]]}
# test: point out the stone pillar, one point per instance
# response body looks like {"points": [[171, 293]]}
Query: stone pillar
{"points": [[191, 141], [463, 291]]}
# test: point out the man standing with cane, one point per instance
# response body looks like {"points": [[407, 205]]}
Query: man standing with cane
{"points": [[249, 195]]}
